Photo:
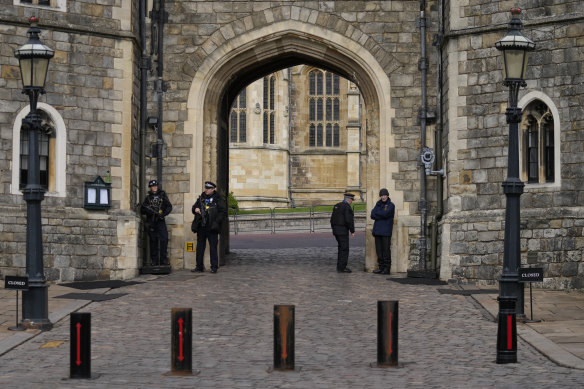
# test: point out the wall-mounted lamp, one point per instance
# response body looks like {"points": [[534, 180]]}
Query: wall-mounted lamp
{"points": [[97, 194], [153, 122]]}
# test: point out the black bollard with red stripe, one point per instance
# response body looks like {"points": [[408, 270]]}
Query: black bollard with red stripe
{"points": [[507, 331], [182, 341], [387, 327], [80, 345], [283, 337]]}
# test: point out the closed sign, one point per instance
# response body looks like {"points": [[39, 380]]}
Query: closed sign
{"points": [[14, 282], [530, 274]]}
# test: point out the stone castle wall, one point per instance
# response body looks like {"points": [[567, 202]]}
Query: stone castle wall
{"points": [[93, 85], [552, 236]]}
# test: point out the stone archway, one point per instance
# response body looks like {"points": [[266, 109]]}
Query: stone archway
{"points": [[251, 55]]}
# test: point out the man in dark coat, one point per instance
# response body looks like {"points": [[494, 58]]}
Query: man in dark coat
{"points": [[156, 207], [342, 222], [213, 210], [383, 213]]}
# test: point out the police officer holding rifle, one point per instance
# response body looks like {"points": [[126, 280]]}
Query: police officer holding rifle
{"points": [[210, 210], [156, 207]]}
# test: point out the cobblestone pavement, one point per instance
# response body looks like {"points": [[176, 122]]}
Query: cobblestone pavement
{"points": [[445, 340]]}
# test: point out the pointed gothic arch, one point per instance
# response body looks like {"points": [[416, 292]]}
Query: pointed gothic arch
{"points": [[240, 60], [59, 151]]}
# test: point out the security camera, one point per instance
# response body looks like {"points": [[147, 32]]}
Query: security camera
{"points": [[427, 158]]}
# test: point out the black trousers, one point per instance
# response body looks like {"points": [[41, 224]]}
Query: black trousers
{"points": [[158, 235], [343, 255], [202, 237], [383, 250]]}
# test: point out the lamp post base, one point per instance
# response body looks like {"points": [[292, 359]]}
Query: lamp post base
{"points": [[509, 285], [37, 324], [35, 307]]}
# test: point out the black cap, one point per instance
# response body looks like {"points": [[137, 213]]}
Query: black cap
{"points": [[349, 196], [152, 183], [383, 191], [210, 185]]}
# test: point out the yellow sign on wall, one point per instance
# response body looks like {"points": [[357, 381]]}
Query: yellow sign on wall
{"points": [[191, 246]]}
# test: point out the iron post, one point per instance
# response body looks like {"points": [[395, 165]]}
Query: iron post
{"points": [[34, 58], [515, 48]]}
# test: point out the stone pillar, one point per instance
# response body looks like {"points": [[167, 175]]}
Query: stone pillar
{"points": [[353, 138]]}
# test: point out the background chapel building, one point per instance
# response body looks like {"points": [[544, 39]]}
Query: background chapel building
{"points": [[296, 139], [290, 103]]}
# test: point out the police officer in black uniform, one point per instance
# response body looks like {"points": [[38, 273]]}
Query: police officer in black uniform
{"points": [[212, 208], [156, 207], [383, 213], [342, 222]]}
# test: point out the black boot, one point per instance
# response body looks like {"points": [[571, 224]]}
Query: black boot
{"points": [[379, 267], [386, 268]]}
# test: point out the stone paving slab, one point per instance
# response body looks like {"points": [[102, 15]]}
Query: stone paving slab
{"points": [[445, 341], [566, 354], [58, 309]]}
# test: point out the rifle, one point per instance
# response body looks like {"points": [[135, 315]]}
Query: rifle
{"points": [[152, 210], [204, 214], [152, 216]]}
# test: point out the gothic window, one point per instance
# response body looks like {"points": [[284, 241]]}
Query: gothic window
{"points": [[36, 2], [537, 144], [52, 146], [532, 151], [45, 141], [323, 108], [319, 135], [55, 5], [269, 109], [237, 119], [548, 156], [336, 135]]}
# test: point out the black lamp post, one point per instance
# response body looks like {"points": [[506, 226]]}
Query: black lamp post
{"points": [[515, 48], [34, 59]]}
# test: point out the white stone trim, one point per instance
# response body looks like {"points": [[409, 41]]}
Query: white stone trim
{"points": [[453, 166], [242, 42], [457, 18], [60, 152], [456, 123], [123, 126]]}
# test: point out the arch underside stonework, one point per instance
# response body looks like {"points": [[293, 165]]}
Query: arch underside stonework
{"points": [[249, 56]]}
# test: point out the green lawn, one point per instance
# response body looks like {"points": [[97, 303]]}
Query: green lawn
{"points": [[357, 207]]}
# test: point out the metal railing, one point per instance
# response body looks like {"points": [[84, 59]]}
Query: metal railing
{"points": [[272, 220]]}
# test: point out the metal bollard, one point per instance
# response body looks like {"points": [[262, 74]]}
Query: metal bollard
{"points": [[507, 331], [182, 343], [283, 337], [80, 360], [387, 333]]}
